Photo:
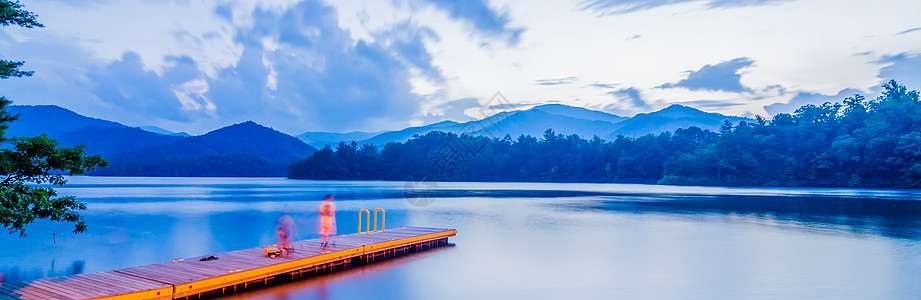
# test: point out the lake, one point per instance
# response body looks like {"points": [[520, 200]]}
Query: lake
{"points": [[515, 240]]}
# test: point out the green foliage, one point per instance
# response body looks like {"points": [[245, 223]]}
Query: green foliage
{"points": [[32, 162], [11, 13], [40, 160], [857, 143], [5, 118], [11, 69], [554, 157]]}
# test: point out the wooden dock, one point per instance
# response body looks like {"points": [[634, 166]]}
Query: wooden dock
{"points": [[233, 271]]}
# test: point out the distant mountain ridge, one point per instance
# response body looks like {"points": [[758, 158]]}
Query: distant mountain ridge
{"points": [[407, 133], [579, 113], [244, 149], [159, 130], [102, 137], [250, 149], [561, 118], [668, 119], [319, 139], [34, 120], [535, 121]]}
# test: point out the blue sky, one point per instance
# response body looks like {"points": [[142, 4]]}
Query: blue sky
{"points": [[195, 65]]}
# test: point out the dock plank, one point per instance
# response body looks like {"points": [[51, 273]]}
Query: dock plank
{"points": [[82, 286], [176, 279], [40, 289]]}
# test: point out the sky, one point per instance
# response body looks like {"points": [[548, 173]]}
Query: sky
{"points": [[339, 66]]}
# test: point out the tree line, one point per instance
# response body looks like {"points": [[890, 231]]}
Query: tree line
{"points": [[853, 143]]}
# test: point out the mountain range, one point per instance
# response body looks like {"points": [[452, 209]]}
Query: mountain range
{"points": [[245, 149], [562, 119], [250, 149]]}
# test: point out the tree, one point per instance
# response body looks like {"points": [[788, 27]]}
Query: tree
{"points": [[12, 13], [855, 144], [36, 160]]}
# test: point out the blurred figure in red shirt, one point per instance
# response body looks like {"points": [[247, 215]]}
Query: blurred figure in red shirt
{"points": [[327, 221]]}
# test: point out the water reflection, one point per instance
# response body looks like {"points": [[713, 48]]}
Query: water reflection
{"points": [[346, 284], [893, 218], [15, 273], [515, 240]]}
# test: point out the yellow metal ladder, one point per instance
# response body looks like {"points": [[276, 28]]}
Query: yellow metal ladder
{"points": [[368, 223]]}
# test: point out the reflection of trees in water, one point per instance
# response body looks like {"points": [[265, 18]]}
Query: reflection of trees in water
{"points": [[325, 286], [13, 274], [892, 218]]}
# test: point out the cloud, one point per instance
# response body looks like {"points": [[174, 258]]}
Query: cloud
{"points": [[604, 85], [723, 76], [804, 98], [299, 66], [127, 85], [59, 67], [903, 68], [79, 4], [629, 102], [606, 7], [633, 95], [452, 110], [484, 18], [909, 30], [407, 41], [297, 70], [490, 110], [708, 105], [557, 81]]}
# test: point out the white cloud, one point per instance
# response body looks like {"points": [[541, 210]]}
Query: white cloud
{"points": [[188, 92], [796, 46], [157, 29], [799, 45]]}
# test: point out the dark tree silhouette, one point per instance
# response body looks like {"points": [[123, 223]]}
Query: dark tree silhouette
{"points": [[35, 160], [856, 143]]}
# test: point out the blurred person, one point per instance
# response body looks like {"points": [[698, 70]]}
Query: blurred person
{"points": [[285, 231], [327, 221]]}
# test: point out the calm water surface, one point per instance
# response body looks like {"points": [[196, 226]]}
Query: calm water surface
{"points": [[521, 240]]}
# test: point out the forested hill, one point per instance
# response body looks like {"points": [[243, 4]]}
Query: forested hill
{"points": [[244, 149], [855, 143], [102, 137]]}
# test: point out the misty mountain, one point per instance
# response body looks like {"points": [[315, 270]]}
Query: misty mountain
{"points": [[250, 149], [562, 119], [159, 130], [319, 139], [668, 119], [535, 121], [578, 113], [407, 133]]}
